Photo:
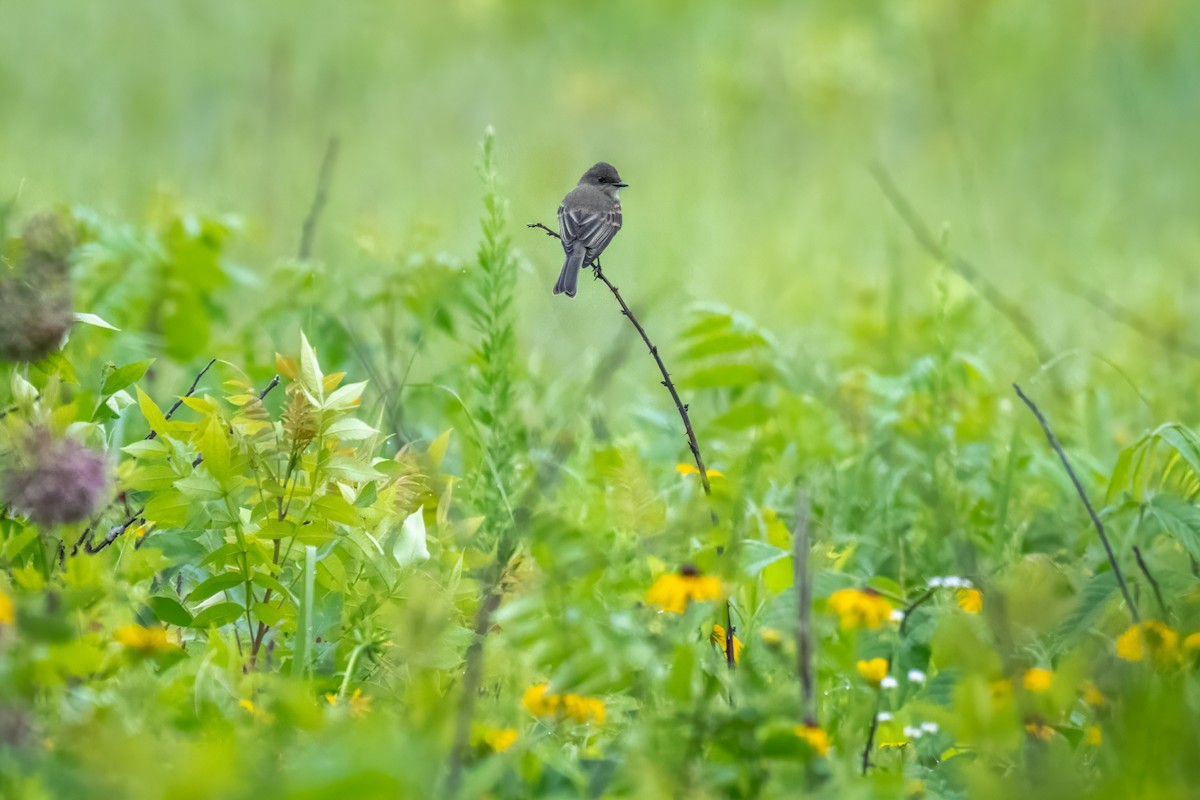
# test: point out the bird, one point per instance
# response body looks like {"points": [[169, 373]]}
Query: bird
{"points": [[588, 219]]}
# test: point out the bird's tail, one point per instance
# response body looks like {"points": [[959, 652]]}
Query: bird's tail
{"points": [[568, 279]]}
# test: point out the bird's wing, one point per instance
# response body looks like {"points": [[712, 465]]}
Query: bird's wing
{"points": [[594, 229]]}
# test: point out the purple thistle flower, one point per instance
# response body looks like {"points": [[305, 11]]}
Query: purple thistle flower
{"points": [[56, 481]]}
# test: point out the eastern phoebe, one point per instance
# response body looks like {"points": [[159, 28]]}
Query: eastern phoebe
{"points": [[588, 219]]}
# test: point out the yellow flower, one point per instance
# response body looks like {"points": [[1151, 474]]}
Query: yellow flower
{"points": [[7, 615], [1037, 680], [969, 600], [1192, 642], [538, 703], [359, 703], [771, 636], [692, 469], [577, 707], [583, 709], [860, 608], [874, 670], [147, 641], [673, 592], [1092, 696], [1040, 730], [1150, 638], [500, 739], [254, 710], [1093, 735], [817, 739], [718, 638]]}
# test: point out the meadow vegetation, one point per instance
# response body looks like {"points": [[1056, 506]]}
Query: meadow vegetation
{"points": [[309, 487]]}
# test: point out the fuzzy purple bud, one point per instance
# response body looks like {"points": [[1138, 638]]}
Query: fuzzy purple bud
{"points": [[35, 299], [56, 481]]}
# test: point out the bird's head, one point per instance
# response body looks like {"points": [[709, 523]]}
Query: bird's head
{"points": [[603, 175]]}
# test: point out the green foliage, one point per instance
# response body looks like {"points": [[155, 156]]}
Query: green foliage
{"points": [[351, 524]]}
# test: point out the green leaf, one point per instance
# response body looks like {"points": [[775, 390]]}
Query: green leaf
{"points": [[214, 446], [276, 529], [411, 547], [310, 375], [1095, 594], [268, 582], [345, 397], [168, 509], [215, 584], [350, 469], [754, 556], [170, 611], [147, 449], [334, 508], [217, 615], [350, 429], [94, 321], [124, 376], [199, 486], [1179, 518], [152, 413], [723, 375]]}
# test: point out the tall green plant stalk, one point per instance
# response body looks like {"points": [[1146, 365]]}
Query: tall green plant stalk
{"points": [[499, 432]]}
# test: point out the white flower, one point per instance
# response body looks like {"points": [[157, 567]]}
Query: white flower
{"points": [[888, 683], [916, 676], [897, 615], [936, 583], [883, 716], [912, 733], [929, 727]]}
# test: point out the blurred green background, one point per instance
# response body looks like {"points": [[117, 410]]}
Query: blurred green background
{"points": [[1050, 142]]}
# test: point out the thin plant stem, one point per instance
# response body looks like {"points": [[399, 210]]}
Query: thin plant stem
{"points": [[1112, 558]]}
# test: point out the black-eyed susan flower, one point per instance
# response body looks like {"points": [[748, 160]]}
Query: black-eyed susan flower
{"points": [[673, 592], [873, 671], [539, 702], [144, 641], [718, 638], [860, 608], [7, 612], [817, 739], [1037, 680], [1150, 640], [583, 709], [499, 739], [1040, 730], [1093, 696]]}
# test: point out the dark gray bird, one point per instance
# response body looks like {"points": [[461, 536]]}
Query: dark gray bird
{"points": [[588, 219]]}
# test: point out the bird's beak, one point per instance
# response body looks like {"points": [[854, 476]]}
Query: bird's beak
{"points": [[620, 185]]}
